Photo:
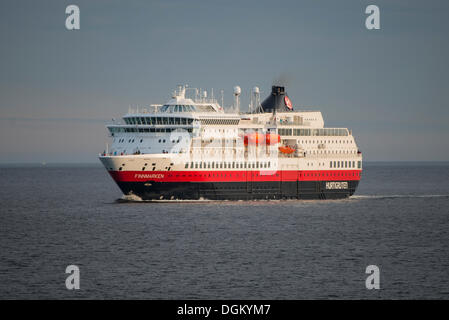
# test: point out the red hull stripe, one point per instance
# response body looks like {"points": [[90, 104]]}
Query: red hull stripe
{"points": [[236, 176]]}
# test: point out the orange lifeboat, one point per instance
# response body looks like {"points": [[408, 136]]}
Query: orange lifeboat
{"points": [[258, 138], [286, 149], [253, 138], [272, 138]]}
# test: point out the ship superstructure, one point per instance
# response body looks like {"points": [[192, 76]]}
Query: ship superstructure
{"points": [[190, 148]]}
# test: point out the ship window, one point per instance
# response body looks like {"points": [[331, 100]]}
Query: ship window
{"points": [[208, 165], [196, 165], [213, 165], [225, 165], [187, 165], [201, 165]]}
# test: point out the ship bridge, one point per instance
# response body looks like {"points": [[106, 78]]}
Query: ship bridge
{"points": [[201, 103]]}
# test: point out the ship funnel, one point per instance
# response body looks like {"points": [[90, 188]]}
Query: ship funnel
{"points": [[277, 101]]}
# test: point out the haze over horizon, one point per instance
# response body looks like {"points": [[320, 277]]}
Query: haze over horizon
{"points": [[59, 88]]}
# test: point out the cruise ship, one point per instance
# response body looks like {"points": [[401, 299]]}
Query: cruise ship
{"points": [[190, 148]]}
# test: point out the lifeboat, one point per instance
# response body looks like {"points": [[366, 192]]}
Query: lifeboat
{"points": [[286, 149], [259, 138], [272, 138], [253, 138]]}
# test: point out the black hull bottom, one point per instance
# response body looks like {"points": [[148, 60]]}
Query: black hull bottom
{"points": [[304, 190]]}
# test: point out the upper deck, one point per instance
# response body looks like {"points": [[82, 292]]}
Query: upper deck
{"points": [[176, 126]]}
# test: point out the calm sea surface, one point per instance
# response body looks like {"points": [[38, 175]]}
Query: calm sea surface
{"points": [[52, 217]]}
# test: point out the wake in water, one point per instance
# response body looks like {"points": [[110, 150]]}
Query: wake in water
{"points": [[395, 196], [129, 198], [135, 198]]}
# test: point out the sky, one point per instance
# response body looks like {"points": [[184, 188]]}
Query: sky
{"points": [[59, 88]]}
